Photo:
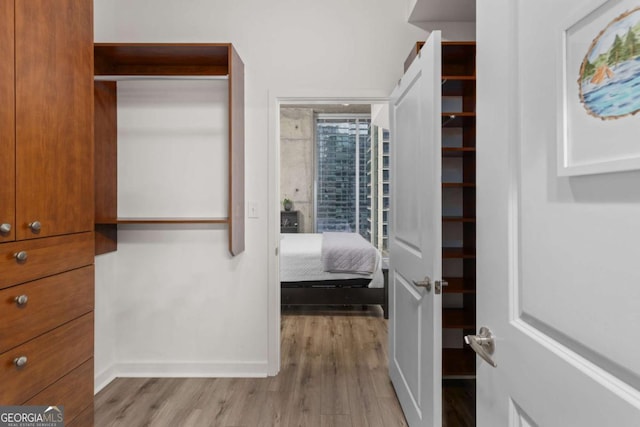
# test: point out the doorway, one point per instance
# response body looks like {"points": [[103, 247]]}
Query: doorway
{"points": [[330, 185], [328, 172]]}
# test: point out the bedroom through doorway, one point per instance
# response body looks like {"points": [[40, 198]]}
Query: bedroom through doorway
{"points": [[334, 206]]}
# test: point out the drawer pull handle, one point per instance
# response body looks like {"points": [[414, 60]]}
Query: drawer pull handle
{"points": [[35, 226], [5, 228], [20, 362], [21, 300], [21, 256]]}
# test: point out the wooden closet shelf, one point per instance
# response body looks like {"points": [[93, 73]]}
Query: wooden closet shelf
{"points": [[458, 185], [121, 77], [458, 58], [458, 318], [446, 78], [458, 152], [464, 86], [460, 285], [464, 253], [458, 120], [448, 115], [114, 62], [458, 219], [204, 59], [458, 362], [459, 82]]}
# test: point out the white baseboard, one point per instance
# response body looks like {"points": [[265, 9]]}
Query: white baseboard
{"points": [[103, 379], [181, 370]]}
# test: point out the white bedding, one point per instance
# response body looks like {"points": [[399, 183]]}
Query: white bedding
{"points": [[300, 261], [347, 253]]}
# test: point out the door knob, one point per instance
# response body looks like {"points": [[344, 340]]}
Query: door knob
{"points": [[20, 362], [426, 283], [35, 226], [21, 300], [440, 284], [483, 344], [21, 256], [5, 228]]}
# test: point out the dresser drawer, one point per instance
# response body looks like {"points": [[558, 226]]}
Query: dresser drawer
{"points": [[48, 358], [44, 257], [50, 302], [84, 419], [74, 391]]}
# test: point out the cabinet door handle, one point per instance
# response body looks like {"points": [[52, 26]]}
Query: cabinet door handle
{"points": [[21, 300], [5, 228], [20, 362], [35, 226], [21, 256]]}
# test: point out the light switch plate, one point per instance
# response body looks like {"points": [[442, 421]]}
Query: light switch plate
{"points": [[252, 208]]}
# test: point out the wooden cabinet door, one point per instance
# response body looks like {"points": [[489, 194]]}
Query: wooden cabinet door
{"points": [[7, 122], [54, 116]]}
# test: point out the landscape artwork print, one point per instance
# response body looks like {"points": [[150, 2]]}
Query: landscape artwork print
{"points": [[609, 81]]}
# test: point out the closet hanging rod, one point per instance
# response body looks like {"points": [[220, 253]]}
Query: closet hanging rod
{"points": [[151, 78]]}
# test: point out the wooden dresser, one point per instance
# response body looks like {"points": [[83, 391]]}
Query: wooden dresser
{"points": [[46, 206]]}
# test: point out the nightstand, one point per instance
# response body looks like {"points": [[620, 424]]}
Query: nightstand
{"points": [[289, 221]]}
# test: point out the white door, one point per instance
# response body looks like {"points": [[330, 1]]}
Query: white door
{"points": [[415, 354], [558, 261]]}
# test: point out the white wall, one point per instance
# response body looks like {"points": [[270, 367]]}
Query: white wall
{"points": [[451, 31], [172, 301], [173, 148], [104, 321], [380, 115]]}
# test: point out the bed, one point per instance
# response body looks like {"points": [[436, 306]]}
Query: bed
{"points": [[331, 269]]}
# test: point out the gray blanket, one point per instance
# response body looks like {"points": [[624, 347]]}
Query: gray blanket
{"points": [[347, 252]]}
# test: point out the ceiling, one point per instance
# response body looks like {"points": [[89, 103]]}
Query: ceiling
{"points": [[444, 10]]}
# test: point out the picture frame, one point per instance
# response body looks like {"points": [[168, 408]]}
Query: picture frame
{"points": [[599, 96]]}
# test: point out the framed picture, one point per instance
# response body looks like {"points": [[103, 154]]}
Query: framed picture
{"points": [[599, 115]]}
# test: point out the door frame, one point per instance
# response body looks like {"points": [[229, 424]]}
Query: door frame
{"points": [[277, 98]]}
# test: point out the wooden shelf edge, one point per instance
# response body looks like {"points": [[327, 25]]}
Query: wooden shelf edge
{"points": [[458, 152], [458, 219], [459, 285], [467, 77], [156, 77], [459, 149], [458, 252], [458, 185], [458, 43], [458, 114]]}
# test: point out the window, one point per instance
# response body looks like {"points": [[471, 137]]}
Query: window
{"points": [[352, 177], [379, 215], [342, 178]]}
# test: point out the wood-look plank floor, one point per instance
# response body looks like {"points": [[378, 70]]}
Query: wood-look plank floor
{"points": [[333, 374]]}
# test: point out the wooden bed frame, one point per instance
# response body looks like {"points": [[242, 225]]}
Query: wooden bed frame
{"points": [[344, 292]]}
